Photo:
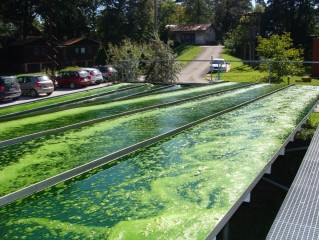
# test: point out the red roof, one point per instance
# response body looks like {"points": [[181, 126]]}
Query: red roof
{"points": [[72, 41], [189, 27]]}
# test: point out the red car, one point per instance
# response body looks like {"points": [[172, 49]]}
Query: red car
{"points": [[73, 78]]}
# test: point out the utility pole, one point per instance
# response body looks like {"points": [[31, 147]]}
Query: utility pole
{"points": [[155, 16], [52, 40]]}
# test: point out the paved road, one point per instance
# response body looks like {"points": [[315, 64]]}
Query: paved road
{"points": [[196, 71], [58, 92]]}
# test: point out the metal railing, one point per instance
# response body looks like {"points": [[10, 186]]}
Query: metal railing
{"points": [[251, 70]]}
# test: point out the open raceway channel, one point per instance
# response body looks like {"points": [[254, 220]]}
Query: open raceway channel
{"points": [[179, 120]]}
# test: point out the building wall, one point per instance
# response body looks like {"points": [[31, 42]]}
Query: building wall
{"points": [[197, 37], [315, 57]]}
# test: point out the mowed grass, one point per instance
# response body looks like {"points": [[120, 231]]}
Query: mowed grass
{"points": [[239, 71], [244, 72], [186, 53]]}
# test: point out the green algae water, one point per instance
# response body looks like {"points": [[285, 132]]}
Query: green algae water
{"points": [[50, 101], [92, 101], [29, 162], [179, 188], [16, 128]]}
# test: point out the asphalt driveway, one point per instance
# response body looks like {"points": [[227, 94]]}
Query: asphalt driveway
{"points": [[196, 70]]}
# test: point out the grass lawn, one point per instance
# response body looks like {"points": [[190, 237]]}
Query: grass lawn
{"points": [[185, 53], [240, 72]]}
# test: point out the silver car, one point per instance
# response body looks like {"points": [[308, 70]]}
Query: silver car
{"points": [[35, 85], [94, 74]]}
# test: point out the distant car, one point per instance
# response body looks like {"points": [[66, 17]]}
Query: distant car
{"points": [[107, 71], [73, 78], [219, 64], [9, 88], [36, 84], [94, 74]]}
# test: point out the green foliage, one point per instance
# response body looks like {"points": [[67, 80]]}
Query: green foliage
{"points": [[245, 32], [281, 58], [227, 14], [299, 17], [161, 67], [154, 60], [126, 57], [309, 128]]}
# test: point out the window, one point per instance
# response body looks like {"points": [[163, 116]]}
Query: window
{"points": [[36, 51], [43, 51], [80, 50]]}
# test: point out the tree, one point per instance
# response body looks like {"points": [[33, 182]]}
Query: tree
{"points": [[241, 40], [161, 66], [170, 13], [300, 17], [227, 14], [281, 59], [122, 19], [155, 60], [199, 11]]}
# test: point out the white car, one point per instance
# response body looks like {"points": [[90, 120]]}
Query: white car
{"points": [[94, 74], [219, 64]]}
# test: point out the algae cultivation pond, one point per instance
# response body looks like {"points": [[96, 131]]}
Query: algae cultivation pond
{"points": [[178, 188], [32, 161], [16, 128]]}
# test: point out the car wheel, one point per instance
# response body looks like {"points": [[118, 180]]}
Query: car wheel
{"points": [[49, 93], [72, 85], [33, 93]]}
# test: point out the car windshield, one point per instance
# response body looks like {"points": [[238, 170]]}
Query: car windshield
{"points": [[43, 78], [83, 73], [9, 80], [218, 62], [103, 69]]}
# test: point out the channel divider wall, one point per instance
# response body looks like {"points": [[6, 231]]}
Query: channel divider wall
{"points": [[11, 115], [82, 124], [240, 200], [118, 154]]}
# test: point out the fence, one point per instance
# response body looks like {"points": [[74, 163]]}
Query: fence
{"points": [[290, 72]]}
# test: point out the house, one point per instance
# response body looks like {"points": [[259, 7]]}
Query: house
{"points": [[193, 33], [34, 54], [28, 55], [79, 52]]}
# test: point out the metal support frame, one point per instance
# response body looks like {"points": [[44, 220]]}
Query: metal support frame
{"points": [[275, 184]]}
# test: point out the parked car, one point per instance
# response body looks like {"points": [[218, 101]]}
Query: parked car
{"points": [[219, 64], [9, 88], [94, 74], [36, 84], [73, 78], [107, 71]]}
